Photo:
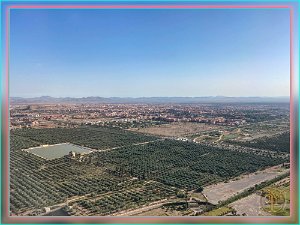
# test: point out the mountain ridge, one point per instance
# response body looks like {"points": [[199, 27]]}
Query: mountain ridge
{"points": [[97, 99]]}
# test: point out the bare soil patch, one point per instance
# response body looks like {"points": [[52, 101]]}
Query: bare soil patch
{"points": [[250, 205], [177, 129], [222, 191]]}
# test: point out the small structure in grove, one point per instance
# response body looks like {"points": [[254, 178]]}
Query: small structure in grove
{"points": [[76, 156]]}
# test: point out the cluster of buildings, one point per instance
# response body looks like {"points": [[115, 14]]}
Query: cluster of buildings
{"points": [[72, 115]]}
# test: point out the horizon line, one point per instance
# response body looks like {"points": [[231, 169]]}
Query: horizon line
{"points": [[206, 96]]}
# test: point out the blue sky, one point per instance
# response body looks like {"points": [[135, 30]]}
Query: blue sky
{"points": [[142, 53]]}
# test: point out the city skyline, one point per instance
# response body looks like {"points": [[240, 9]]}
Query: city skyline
{"points": [[149, 53]]}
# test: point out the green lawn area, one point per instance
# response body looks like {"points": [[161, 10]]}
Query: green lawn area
{"points": [[218, 212], [280, 195], [206, 138], [230, 136], [277, 210], [199, 196]]}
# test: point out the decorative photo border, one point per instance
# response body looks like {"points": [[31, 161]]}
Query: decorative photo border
{"points": [[7, 7]]}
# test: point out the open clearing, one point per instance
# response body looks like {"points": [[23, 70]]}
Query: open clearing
{"points": [[250, 205], [57, 150], [177, 129], [222, 191], [218, 212], [162, 212]]}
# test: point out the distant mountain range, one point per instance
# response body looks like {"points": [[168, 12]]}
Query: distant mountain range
{"points": [[209, 99]]}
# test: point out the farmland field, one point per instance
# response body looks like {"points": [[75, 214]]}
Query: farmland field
{"points": [[177, 129], [180, 164], [108, 182], [279, 142], [92, 137]]}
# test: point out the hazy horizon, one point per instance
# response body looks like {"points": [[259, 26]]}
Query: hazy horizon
{"points": [[207, 96]]}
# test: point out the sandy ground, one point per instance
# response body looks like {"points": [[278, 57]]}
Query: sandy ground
{"points": [[251, 205], [222, 191], [141, 209], [160, 212], [177, 129]]}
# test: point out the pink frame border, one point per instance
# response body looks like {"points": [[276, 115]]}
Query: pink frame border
{"points": [[293, 218]]}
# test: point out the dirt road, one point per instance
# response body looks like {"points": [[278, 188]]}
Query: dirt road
{"points": [[222, 191]]}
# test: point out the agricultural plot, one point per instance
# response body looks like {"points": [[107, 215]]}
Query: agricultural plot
{"points": [[163, 212], [57, 150], [36, 183], [177, 129], [127, 199], [91, 137], [230, 136], [111, 181], [180, 164], [245, 135], [217, 136], [219, 212], [279, 143], [264, 129]]}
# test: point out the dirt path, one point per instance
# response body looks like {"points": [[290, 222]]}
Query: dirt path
{"points": [[119, 147], [142, 209], [222, 191]]}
